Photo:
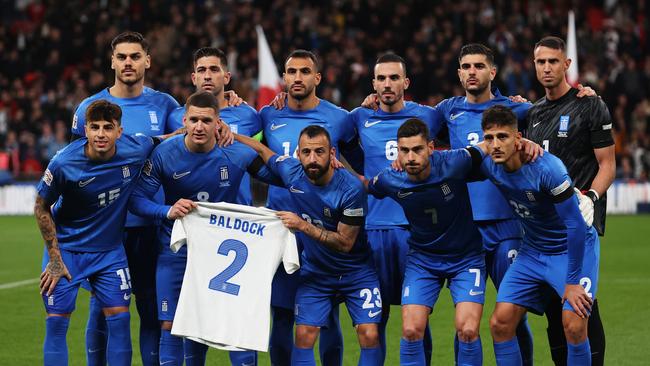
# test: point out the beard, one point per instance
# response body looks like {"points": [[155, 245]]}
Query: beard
{"points": [[417, 169], [319, 172], [131, 81], [480, 88], [300, 95]]}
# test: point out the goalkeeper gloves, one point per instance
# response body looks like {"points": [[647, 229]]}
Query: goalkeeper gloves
{"points": [[586, 204]]}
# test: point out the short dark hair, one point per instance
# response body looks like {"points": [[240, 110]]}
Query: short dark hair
{"points": [[391, 57], [103, 110], [476, 49], [413, 127], [202, 99], [498, 116], [130, 37], [314, 130], [210, 51], [553, 42], [304, 54]]}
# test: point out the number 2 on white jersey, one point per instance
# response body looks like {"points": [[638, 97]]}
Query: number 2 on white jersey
{"points": [[219, 282]]}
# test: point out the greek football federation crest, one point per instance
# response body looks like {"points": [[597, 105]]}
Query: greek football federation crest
{"points": [[446, 191], [126, 172], [225, 182], [326, 212], [154, 121], [564, 127], [164, 306], [530, 196]]}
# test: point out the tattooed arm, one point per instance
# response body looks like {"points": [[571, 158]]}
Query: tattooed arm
{"points": [[55, 268]]}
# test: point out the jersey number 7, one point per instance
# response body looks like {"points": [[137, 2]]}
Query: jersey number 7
{"points": [[219, 282]]}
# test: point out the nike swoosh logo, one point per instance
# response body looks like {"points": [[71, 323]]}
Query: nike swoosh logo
{"points": [[454, 116], [370, 124], [294, 190], [275, 127], [166, 362], [127, 297], [95, 350], [179, 176], [474, 293], [373, 314], [403, 194], [83, 183], [535, 124]]}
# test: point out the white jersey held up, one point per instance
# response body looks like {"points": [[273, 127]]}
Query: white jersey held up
{"points": [[233, 252]]}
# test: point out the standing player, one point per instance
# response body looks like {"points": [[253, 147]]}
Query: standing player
{"points": [[445, 245], [144, 111], [189, 168], [558, 250], [281, 130], [579, 132], [89, 183], [210, 73], [336, 258], [386, 225]]}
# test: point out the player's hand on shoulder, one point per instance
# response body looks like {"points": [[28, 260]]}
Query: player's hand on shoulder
{"points": [[371, 102], [517, 99], [586, 207], [52, 274], [585, 91], [279, 101], [530, 150], [396, 165], [291, 221], [578, 299], [336, 163], [233, 99], [181, 208], [225, 137]]}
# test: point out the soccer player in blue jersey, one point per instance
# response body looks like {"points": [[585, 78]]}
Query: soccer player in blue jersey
{"points": [[445, 245], [558, 251], [189, 168], [145, 111], [328, 212], [281, 128], [89, 183], [386, 225], [210, 73]]}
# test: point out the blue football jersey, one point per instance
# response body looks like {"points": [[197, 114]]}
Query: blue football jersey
{"points": [[438, 208], [463, 121], [91, 197], [243, 120], [343, 199], [214, 176], [282, 130], [377, 131], [532, 192], [147, 114]]}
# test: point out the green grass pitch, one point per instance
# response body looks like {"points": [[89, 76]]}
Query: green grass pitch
{"points": [[624, 295]]}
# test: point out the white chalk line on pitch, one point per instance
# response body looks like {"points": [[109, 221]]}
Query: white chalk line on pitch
{"points": [[15, 284]]}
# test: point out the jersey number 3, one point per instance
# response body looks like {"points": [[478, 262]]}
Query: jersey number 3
{"points": [[220, 281]]}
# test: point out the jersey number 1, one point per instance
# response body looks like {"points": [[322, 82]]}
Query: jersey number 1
{"points": [[219, 282]]}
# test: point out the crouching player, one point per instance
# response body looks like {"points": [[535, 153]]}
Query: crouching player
{"points": [[330, 216]]}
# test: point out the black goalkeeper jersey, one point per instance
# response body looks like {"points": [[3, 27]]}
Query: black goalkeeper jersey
{"points": [[571, 128]]}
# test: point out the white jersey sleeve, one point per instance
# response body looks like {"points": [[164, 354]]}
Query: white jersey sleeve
{"points": [[233, 252]]}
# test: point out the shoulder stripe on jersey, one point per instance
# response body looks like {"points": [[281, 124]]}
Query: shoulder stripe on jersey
{"points": [[561, 188]]}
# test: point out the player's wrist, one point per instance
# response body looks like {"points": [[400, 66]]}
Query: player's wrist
{"points": [[593, 195]]}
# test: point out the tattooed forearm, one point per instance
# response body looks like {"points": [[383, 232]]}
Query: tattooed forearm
{"points": [[45, 223]]}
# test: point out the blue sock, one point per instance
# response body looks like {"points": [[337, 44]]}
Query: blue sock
{"points": [[470, 353], [507, 353], [331, 340], [411, 353], [302, 357], [96, 333], [456, 348], [427, 343], [281, 341], [243, 358], [149, 329], [370, 357], [525, 340], [195, 352], [385, 313], [171, 349], [118, 348], [579, 354], [55, 347]]}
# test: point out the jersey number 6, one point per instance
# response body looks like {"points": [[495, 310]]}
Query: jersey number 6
{"points": [[219, 282]]}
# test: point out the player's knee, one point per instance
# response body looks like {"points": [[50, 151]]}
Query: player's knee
{"points": [[500, 327], [115, 310], [575, 330], [368, 335], [166, 325], [412, 332], [467, 333], [306, 336]]}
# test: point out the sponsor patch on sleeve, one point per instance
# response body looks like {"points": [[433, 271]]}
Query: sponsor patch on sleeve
{"points": [[353, 212], [47, 177], [561, 188]]}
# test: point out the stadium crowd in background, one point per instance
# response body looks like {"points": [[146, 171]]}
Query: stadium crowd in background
{"points": [[52, 56]]}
